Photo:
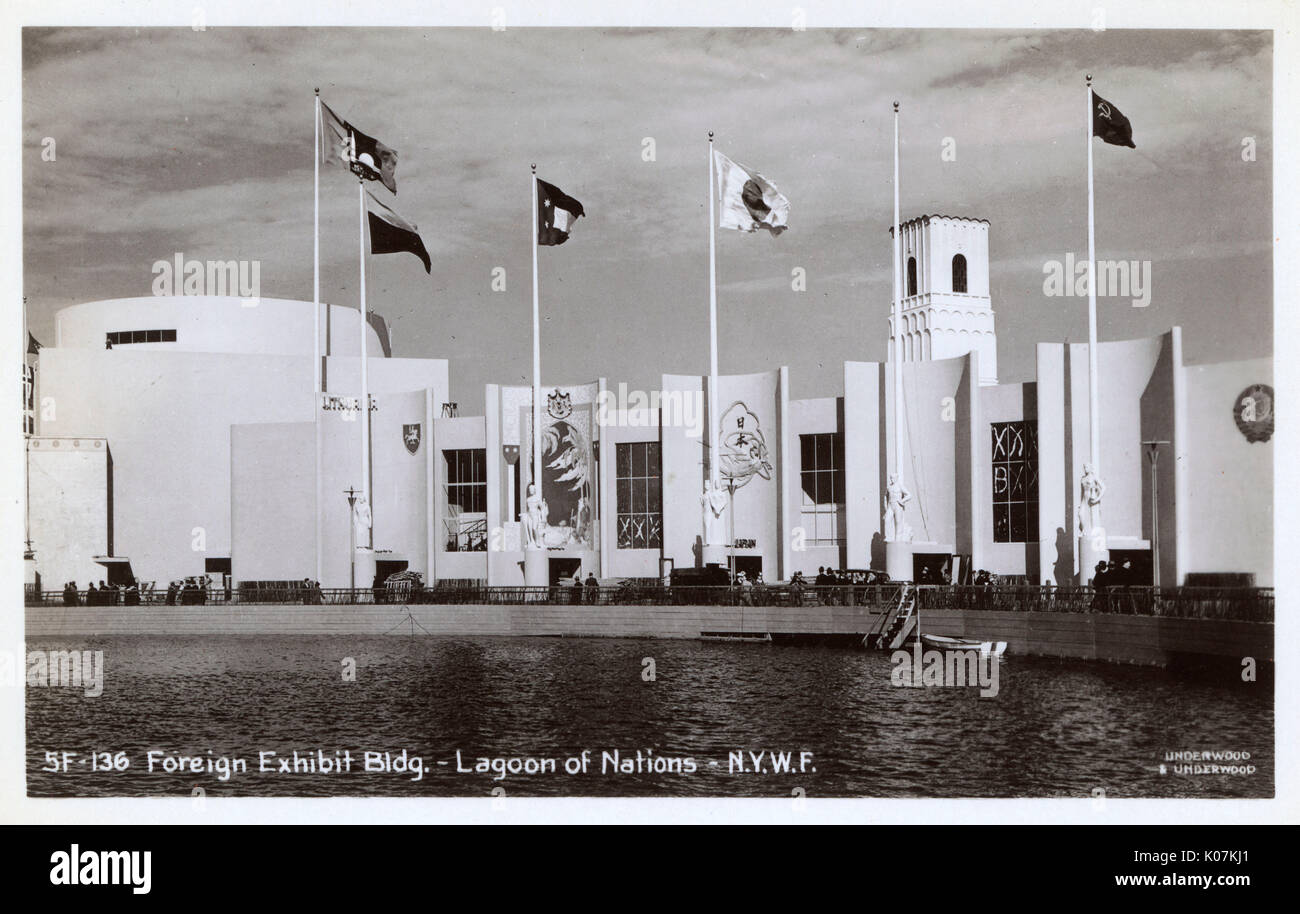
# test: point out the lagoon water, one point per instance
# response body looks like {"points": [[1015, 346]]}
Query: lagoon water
{"points": [[838, 726]]}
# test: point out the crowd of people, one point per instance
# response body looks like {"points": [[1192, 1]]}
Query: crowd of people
{"points": [[1112, 584], [187, 592], [103, 595]]}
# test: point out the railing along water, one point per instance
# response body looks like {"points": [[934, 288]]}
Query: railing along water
{"points": [[1241, 604]]}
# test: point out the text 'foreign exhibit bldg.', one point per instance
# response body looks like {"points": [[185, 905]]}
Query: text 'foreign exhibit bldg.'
{"points": [[197, 444]]}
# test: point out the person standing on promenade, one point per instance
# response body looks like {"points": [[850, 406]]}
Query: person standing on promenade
{"points": [[1100, 581]]}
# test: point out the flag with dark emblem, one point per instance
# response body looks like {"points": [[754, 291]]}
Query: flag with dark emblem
{"points": [[746, 200], [390, 233], [556, 213], [342, 143], [1109, 124]]}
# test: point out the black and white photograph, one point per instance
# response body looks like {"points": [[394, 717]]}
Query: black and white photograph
{"points": [[771, 408]]}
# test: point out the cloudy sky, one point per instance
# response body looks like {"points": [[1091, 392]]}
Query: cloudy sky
{"points": [[201, 142]]}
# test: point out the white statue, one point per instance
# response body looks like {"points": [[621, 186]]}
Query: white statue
{"points": [[897, 498], [713, 503], [1091, 489], [534, 519], [361, 517]]}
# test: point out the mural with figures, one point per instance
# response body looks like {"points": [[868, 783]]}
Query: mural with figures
{"points": [[568, 466], [566, 486]]}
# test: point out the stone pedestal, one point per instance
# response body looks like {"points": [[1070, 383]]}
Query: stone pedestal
{"points": [[711, 554], [537, 568], [365, 566], [898, 561], [1089, 556]]}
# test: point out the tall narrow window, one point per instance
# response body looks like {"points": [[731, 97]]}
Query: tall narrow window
{"points": [[959, 273], [640, 495], [821, 479], [911, 276], [1015, 482], [466, 518]]}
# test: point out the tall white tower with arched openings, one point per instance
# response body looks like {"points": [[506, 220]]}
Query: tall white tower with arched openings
{"points": [[947, 311]]}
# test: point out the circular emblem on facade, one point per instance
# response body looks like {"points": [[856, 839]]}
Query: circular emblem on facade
{"points": [[1253, 412]]}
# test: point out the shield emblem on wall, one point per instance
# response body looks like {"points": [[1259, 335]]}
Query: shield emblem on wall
{"points": [[411, 437], [559, 405]]}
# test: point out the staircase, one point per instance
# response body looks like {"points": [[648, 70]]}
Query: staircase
{"points": [[897, 624]]}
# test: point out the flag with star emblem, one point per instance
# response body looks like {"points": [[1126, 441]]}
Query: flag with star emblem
{"points": [[1109, 124], [556, 213]]}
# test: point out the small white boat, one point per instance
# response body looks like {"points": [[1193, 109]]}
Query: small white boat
{"points": [[945, 643]]}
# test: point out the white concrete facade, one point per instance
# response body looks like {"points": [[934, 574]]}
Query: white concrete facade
{"points": [[206, 449]]}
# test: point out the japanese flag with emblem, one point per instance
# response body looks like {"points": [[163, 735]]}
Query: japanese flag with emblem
{"points": [[747, 201]]}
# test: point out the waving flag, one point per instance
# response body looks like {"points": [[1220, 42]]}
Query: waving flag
{"points": [[556, 213], [391, 234], [342, 143], [747, 200], [1109, 124]]}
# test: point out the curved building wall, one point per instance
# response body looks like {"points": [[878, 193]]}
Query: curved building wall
{"points": [[214, 323], [167, 412]]}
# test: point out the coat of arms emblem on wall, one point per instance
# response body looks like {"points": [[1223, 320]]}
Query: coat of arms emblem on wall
{"points": [[559, 405], [411, 437]]}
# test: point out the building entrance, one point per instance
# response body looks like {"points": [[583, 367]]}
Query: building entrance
{"points": [[564, 570]]}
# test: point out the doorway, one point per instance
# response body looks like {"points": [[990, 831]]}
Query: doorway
{"points": [[752, 565], [385, 567], [563, 570], [931, 568], [1140, 570]]}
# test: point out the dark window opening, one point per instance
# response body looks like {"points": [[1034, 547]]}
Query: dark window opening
{"points": [[123, 337], [1015, 482], [959, 273], [466, 489], [640, 495], [821, 479]]}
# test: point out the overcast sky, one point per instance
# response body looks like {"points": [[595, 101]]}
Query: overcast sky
{"points": [[201, 142]]}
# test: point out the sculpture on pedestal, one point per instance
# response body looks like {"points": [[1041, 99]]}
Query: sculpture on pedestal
{"points": [[897, 498], [534, 519], [712, 503], [1091, 489]]}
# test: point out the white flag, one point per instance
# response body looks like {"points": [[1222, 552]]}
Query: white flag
{"points": [[748, 201]]}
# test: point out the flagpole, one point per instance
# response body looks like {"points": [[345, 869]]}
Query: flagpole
{"points": [[365, 389], [898, 317], [713, 327], [535, 476], [315, 266], [315, 298], [1094, 420]]}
